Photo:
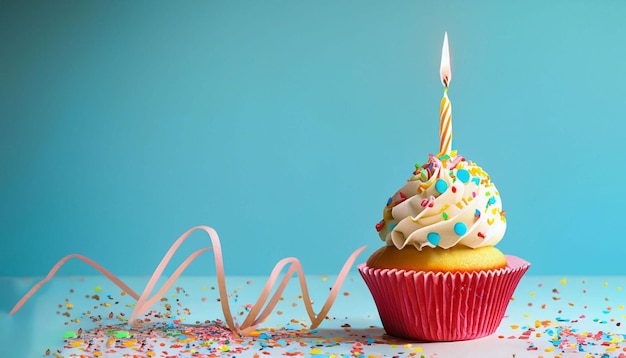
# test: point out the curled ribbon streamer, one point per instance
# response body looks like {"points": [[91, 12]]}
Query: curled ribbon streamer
{"points": [[254, 317]]}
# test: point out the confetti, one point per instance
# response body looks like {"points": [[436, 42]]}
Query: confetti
{"points": [[581, 324]]}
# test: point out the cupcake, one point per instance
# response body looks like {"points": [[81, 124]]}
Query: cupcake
{"points": [[439, 277]]}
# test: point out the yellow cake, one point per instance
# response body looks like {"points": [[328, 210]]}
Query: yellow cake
{"points": [[455, 259]]}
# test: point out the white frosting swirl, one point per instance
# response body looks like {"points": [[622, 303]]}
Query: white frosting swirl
{"points": [[448, 201]]}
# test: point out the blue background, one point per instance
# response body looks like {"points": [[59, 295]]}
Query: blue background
{"points": [[286, 125]]}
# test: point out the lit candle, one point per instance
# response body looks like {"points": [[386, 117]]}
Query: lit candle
{"points": [[445, 113]]}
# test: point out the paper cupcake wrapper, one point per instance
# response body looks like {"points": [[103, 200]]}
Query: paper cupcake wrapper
{"points": [[429, 306]]}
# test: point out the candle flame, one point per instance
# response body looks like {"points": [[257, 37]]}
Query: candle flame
{"points": [[445, 71]]}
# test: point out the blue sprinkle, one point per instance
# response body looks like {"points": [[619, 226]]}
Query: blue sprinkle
{"points": [[433, 238], [441, 185], [477, 212], [389, 201], [460, 229], [476, 180], [463, 175], [492, 200]]}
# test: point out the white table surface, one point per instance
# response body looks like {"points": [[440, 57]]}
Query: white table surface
{"points": [[548, 316]]}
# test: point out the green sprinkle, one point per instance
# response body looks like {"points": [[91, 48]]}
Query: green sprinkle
{"points": [[69, 334], [121, 334], [445, 216]]}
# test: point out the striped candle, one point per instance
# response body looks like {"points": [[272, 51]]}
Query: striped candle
{"points": [[445, 113]]}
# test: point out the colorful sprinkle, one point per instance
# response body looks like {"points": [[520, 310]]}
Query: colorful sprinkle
{"points": [[441, 186], [380, 225], [463, 175], [460, 228], [433, 238]]}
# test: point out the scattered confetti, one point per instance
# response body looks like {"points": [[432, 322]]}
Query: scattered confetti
{"points": [[580, 317]]}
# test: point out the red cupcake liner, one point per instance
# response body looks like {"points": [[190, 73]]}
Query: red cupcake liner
{"points": [[443, 306]]}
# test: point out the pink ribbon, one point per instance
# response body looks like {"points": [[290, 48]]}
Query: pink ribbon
{"points": [[257, 313]]}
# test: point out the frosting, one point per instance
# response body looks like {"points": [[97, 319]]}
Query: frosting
{"points": [[448, 201]]}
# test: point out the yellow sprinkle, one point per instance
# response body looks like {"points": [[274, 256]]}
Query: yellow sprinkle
{"points": [[224, 348], [394, 346], [316, 351], [151, 354], [408, 345], [324, 278], [418, 349], [69, 306], [619, 288], [605, 283], [532, 294], [97, 288], [563, 281], [76, 343], [549, 349], [514, 326], [526, 315], [130, 343], [99, 354], [608, 349], [620, 307]]}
